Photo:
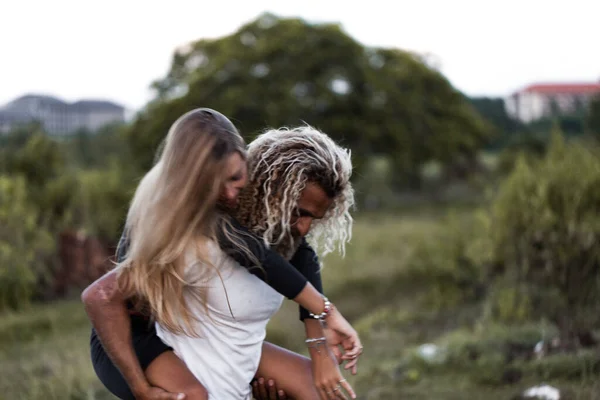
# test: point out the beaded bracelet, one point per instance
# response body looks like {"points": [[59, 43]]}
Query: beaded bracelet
{"points": [[327, 307]]}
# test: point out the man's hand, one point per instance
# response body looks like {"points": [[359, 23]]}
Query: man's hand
{"points": [[262, 390], [154, 393]]}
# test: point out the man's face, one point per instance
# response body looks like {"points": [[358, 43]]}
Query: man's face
{"points": [[312, 205]]}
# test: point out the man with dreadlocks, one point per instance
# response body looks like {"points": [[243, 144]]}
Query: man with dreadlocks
{"points": [[299, 182]]}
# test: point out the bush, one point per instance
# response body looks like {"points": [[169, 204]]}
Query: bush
{"points": [[24, 245], [452, 261], [583, 365], [104, 199], [546, 231]]}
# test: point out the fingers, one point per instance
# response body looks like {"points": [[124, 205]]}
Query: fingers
{"points": [[335, 390], [262, 390], [331, 393], [356, 349], [352, 355], [326, 390], [350, 364], [338, 354], [343, 383], [272, 390], [323, 394], [341, 395]]}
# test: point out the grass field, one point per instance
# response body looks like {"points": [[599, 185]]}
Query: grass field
{"points": [[44, 352]]}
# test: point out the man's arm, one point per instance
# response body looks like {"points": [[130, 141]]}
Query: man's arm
{"points": [[106, 307], [325, 361], [107, 310]]}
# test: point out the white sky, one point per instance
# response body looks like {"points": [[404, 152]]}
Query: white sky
{"points": [[114, 49]]}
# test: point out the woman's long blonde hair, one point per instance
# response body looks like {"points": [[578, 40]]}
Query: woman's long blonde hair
{"points": [[173, 209]]}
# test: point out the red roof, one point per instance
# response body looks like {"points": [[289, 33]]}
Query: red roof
{"points": [[571, 88]]}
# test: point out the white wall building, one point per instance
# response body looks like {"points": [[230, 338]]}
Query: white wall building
{"points": [[543, 100]]}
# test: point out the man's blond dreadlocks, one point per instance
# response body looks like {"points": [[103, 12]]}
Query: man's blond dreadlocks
{"points": [[280, 163]]}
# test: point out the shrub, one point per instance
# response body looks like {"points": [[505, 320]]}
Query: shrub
{"points": [[24, 245], [545, 233], [452, 261]]}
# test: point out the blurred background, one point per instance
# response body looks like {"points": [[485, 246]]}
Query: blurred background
{"points": [[474, 269]]}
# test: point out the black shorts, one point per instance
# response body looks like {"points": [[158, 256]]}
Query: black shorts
{"points": [[147, 346]]}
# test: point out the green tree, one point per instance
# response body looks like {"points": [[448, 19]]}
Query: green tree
{"points": [[96, 149], [505, 128], [593, 116], [41, 161], [280, 72]]}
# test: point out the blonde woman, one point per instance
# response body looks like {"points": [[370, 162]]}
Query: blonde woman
{"points": [[199, 173], [302, 180]]}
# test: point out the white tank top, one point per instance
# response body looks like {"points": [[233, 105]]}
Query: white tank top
{"points": [[226, 355]]}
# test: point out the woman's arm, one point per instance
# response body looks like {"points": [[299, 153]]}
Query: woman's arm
{"points": [[305, 260], [274, 270], [304, 288]]}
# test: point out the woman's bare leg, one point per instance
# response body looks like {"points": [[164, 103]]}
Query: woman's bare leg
{"points": [[291, 372], [169, 372]]}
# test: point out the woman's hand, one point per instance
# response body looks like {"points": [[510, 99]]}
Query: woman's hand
{"points": [[329, 381], [339, 332], [261, 392]]}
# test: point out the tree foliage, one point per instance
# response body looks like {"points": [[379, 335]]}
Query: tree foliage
{"points": [[41, 162], [505, 128], [45, 189], [279, 72]]}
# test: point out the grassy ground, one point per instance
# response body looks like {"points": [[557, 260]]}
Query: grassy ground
{"points": [[44, 352]]}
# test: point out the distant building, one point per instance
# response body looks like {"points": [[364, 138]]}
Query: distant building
{"points": [[543, 100], [58, 117]]}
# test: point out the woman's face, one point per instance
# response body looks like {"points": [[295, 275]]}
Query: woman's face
{"points": [[236, 177]]}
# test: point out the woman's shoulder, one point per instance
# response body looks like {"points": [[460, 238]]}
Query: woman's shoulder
{"points": [[204, 257]]}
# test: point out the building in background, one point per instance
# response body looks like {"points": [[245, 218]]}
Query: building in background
{"points": [[544, 100], [58, 117]]}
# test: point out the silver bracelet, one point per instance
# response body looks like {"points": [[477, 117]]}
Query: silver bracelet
{"points": [[314, 343], [313, 340]]}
